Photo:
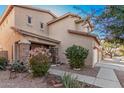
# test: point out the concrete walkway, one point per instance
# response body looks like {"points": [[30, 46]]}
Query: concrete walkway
{"points": [[106, 77]]}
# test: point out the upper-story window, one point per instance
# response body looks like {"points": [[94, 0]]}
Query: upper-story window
{"points": [[41, 25], [88, 29], [29, 19]]}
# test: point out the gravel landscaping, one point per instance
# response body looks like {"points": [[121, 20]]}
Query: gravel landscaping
{"points": [[87, 70], [25, 80], [120, 76]]}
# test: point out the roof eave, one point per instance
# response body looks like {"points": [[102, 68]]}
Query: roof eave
{"points": [[35, 35], [6, 13]]}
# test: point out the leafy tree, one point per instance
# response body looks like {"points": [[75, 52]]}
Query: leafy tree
{"points": [[110, 23], [112, 20], [109, 48], [121, 50]]}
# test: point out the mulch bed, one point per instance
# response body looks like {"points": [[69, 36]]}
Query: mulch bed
{"points": [[87, 70], [120, 76]]}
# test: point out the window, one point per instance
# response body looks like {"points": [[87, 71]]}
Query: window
{"points": [[29, 19], [41, 25], [88, 29]]}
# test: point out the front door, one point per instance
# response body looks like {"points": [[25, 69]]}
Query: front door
{"points": [[54, 52]]}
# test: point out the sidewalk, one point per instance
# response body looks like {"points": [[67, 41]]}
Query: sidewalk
{"points": [[106, 77]]}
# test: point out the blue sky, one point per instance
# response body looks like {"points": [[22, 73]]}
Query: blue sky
{"points": [[2, 8], [62, 9]]}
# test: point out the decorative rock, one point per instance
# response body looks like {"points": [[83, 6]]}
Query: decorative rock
{"points": [[77, 69], [53, 65], [58, 85]]}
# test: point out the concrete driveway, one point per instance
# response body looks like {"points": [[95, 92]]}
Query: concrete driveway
{"points": [[106, 76], [115, 60]]}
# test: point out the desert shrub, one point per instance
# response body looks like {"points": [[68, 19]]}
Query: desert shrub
{"points": [[18, 66], [39, 61], [3, 63], [76, 56], [70, 82]]}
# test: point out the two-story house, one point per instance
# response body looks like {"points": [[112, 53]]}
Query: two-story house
{"points": [[23, 28]]}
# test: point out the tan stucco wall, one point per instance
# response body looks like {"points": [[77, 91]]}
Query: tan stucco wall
{"points": [[18, 18], [97, 56], [95, 53], [8, 36], [21, 17], [82, 27], [59, 31]]}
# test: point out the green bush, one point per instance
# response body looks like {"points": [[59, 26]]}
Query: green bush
{"points": [[18, 66], [3, 63], [39, 64], [76, 56], [70, 82]]}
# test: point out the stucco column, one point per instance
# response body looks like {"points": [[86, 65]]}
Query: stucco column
{"points": [[24, 50]]}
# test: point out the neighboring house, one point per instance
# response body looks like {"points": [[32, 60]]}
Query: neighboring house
{"points": [[23, 28]]}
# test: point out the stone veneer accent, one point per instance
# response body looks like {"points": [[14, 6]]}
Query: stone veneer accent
{"points": [[24, 50]]}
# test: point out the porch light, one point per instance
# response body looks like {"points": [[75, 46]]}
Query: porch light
{"points": [[94, 47]]}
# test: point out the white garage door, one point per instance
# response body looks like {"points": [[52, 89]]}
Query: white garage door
{"points": [[95, 56]]}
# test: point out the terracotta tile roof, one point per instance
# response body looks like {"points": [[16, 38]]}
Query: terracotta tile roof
{"points": [[62, 17], [79, 21], [85, 22], [85, 34]]}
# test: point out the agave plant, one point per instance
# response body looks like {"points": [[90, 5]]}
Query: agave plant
{"points": [[17, 66], [69, 81]]}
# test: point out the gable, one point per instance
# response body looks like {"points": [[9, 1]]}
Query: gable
{"points": [[10, 7], [36, 9]]}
